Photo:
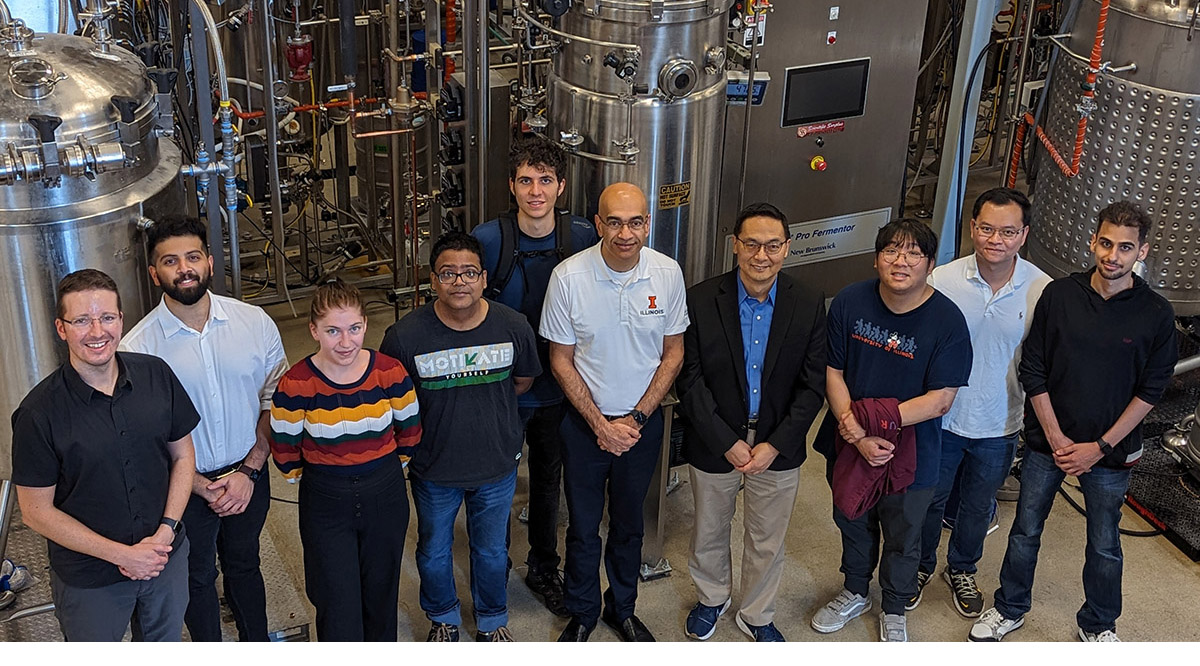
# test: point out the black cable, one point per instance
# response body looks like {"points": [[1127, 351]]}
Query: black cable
{"points": [[1062, 490], [285, 501], [962, 131]]}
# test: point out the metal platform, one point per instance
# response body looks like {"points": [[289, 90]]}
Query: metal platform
{"points": [[287, 615]]}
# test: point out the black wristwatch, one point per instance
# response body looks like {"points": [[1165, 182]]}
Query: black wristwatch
{"points": [[638, 418], [249, 471], [1105, 447], [175, 525]]}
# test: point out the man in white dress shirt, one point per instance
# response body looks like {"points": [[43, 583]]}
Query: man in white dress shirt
{"points": [[229, 357]]}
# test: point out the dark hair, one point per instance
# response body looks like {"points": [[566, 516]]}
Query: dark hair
{"points": [[1125, 214], [1003, 196], [174, 226], [903, 230], [760, 210], [536, 151], [88, 279], [455, 240], [332, 295]]}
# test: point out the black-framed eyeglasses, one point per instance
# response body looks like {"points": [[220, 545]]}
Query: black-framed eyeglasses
{"points": [[470, 276], [772, 247]]}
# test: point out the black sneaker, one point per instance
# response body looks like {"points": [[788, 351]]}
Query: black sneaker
{"points": [[923, 577], [500, 635], [968, 600], [548, 587], [440, 632]]}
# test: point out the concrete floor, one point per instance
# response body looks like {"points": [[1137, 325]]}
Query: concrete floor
{"points": [[1161, 585]]}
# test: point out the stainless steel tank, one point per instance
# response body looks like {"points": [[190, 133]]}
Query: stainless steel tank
{"points": [[674, 121], [1142, 144], [72, 193]]}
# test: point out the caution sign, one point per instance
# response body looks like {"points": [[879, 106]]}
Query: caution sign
{"points": [[674, 195]]}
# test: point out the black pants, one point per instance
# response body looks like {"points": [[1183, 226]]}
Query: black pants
{"points": [[234, 540], [589, 473], [353, 529], [544, 437]]}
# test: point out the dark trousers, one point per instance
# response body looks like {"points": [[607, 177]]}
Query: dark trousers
{"points": [[544, 437], [155, 607], [352, 529], [589, 474], [898, 519]]}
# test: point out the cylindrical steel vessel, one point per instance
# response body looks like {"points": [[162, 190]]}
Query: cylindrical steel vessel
{"points": [[71, 196], [676, 119], [1142, 145]]}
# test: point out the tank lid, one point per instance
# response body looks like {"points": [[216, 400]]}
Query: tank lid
{"points": [[1175, 12], [63, 76]]}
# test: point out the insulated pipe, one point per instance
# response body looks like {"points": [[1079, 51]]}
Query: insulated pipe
{"points": [[1022, 63], [348, 46], [63, 12]]}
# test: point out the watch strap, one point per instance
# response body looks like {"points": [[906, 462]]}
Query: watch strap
{"points": [[1105, 447], [249, 471], [175, 525]]}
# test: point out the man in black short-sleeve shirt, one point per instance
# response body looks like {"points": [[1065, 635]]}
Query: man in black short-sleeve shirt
{"points": [[102, 461]]}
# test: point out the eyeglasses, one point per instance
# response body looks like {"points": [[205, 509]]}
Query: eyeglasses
{"points": [[468, 276], [83, 321], [891, 254], [636, 224], [773, 247], [1007, 233]]}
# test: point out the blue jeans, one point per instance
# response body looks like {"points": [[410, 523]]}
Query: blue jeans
{"points": [[1104, 494], [984, 465], [487, 531]]}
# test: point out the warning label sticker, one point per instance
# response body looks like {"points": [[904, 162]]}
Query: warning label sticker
{"points": [[674, 195]]}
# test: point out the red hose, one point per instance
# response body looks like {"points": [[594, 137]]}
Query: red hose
{"points": [[1089, 93]]}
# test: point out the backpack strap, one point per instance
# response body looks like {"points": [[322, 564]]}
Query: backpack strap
{"points": [[564, 239], [507, 260]]}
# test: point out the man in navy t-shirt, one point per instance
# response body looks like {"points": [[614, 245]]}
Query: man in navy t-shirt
{"points": [[891, 337], [537, 177]]}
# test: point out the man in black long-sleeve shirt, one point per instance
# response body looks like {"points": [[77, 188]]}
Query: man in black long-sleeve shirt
{"points": [[1100, 352]]}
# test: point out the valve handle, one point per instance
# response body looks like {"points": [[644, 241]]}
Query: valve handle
{"points": [[45, 126]]}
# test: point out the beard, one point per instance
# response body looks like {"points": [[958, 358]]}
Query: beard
{"points": [[188, 295]]}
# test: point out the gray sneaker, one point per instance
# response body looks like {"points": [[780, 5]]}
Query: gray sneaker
{"points": [[992, 626], [923, 577], [1106, 636], [893, 628], [841, 609], [968, 600]]}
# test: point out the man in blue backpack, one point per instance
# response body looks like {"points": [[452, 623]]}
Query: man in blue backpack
{"points": [[520, 250]]}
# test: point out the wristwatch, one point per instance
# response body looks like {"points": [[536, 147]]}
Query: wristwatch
{"points": [[175, 525], [1105, 447], [249, 471], [638, 417]]}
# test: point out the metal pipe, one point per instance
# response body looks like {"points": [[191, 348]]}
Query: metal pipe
{"points": [[595, 42], [6, 499], [394, 181], [1187, 364], [750, 71], [1022, 63], [203, 118], [414, 235], [277, 233], [63, 14], [476, 84], [433, 93], [5, 18]]}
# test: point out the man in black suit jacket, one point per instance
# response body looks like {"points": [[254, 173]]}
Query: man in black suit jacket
{"points": [[752, 382]]}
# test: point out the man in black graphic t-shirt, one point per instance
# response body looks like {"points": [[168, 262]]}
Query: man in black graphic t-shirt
{"points": [[892, 337]]}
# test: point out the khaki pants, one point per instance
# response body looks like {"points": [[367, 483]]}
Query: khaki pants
{"points": [[768, 502]]}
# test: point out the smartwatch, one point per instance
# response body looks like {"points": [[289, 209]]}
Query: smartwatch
{"points": [[1105, 447], [175, 525], [638, 418], [249, 471]]}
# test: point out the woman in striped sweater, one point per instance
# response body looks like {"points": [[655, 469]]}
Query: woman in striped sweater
{"points": [[345, 419]]}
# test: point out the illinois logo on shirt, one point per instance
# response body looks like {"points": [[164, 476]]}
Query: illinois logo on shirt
{"points": [[652, 307]]}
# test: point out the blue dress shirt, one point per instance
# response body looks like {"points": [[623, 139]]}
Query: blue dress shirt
{"points": [[756, 327]]}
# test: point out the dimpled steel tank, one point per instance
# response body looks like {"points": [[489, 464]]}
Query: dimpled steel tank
{"points": [[81, 165], [1142, 144]]}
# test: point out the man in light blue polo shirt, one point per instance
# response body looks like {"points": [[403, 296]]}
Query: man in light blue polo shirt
{"points": [[996, 290], [614, 315]]}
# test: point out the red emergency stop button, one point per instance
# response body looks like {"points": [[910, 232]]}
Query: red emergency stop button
{"points": [[818, 163]]}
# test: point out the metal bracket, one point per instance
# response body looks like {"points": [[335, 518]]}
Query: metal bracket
{"points": [[656, 10], [661, 569]]}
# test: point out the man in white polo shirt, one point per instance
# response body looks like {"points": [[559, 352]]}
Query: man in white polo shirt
{"points": [[615, 316], [996, 290], [228, 356]]}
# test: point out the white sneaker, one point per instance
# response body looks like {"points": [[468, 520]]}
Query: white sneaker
{"points": [[841, 609], [1106, 636], [992, 626], [893, 628]]}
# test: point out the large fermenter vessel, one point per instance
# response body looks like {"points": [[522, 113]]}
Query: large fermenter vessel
{"points": [[81, 166], [654, 117], [1142, 142]]}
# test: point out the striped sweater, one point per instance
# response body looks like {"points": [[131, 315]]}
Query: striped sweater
{"points": [[315, 421]]}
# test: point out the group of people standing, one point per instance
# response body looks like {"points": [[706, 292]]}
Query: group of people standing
{"points": [[147, 451]]}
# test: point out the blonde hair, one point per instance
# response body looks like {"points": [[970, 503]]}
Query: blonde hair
{"points": [[332, 295]]}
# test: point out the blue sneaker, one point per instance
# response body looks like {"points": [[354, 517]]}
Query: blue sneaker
{"points": [[702, 621], [767, 633]]}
